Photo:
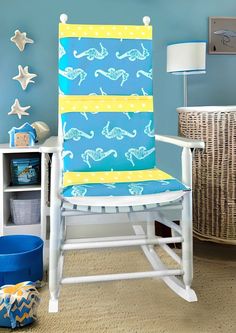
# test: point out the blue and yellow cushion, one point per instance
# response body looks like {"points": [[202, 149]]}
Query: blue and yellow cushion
{"points": [[106, 107], [119, 183]]}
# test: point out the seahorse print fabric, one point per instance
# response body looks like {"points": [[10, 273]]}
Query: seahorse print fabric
{"points": [[124, 189], [93, 66], [106, 141]]}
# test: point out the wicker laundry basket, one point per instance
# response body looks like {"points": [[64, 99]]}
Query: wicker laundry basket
{"points": [[214, 171]]}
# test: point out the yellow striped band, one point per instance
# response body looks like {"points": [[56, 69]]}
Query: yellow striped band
{"points": [[105, 31], [75, 178], [105, 103]]}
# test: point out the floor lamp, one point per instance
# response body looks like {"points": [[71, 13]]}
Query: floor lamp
{"points": [[186, 59]]}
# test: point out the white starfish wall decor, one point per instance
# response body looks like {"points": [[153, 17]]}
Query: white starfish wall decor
{"points": [[19, 110], [24, 77], [20, 39]]}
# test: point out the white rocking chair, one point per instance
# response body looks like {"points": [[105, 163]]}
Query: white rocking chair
{"points": [[83, 179]]}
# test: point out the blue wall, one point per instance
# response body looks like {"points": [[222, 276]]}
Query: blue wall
{"points": [[176, 20]]}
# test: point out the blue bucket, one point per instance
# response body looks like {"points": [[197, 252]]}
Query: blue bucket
{"points": [[21, 259]]}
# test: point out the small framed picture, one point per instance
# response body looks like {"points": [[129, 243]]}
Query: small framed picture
{"points": [[222, 35], [22, 139]]}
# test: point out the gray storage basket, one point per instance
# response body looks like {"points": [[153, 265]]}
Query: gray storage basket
{"points": [[25, 208]]}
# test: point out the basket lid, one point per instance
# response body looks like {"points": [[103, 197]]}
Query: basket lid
{"points": [[229, 108]]}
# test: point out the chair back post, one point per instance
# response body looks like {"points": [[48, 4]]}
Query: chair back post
{"points": [[64, 18], [146, 20]]}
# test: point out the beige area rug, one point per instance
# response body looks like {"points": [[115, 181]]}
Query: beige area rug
{"points": [[139, 306]]}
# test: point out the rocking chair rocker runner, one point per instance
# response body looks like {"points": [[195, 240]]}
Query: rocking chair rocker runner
{"points": [[106, 153]]}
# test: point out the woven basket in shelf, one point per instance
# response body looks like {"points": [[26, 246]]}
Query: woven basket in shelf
{"points": [[25, 208], [214, 171]]}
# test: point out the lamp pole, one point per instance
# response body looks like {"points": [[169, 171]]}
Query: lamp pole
{"points": [[185, 90]]}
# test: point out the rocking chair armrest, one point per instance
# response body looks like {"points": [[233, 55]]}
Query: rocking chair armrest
{"points": [[180, 141], [51, 145]]}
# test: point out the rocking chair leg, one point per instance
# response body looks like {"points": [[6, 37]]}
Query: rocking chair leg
{"points": [[172, 282], [56, 225], [54, 256], [187, 245]]}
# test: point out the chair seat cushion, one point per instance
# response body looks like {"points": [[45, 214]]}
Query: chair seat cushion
{"points": [[132, 183]]}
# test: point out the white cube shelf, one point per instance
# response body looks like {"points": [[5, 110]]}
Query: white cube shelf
{"points": [[7, 227]]}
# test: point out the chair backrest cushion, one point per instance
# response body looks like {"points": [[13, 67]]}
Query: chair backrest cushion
{"points": [[105, 97]]}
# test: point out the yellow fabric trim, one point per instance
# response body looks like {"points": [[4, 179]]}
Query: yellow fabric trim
{"points": [[14, 289], [105, 104], [105, 31], [75, 178]]}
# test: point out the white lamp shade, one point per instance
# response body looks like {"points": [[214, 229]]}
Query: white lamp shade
{"points": [[186, 58]]}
